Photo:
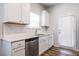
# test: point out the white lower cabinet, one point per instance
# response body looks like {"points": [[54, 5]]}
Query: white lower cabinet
{"points": [[45, 42], [14, 48]]}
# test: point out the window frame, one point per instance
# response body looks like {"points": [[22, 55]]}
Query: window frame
{"points": [[33, 15]]}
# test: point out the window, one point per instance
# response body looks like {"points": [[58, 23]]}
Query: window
{"points": [[34, 20]]}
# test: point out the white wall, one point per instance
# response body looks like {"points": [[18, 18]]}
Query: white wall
{"points": [[63, 10]]}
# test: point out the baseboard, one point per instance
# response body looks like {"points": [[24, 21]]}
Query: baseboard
{"points": [[69, 48], [61, 46]]}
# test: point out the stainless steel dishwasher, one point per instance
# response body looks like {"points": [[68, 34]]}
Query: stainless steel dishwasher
{"points": [[31, 47]]}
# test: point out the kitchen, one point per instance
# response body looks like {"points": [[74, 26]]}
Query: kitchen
{"points": [[30, 29]]}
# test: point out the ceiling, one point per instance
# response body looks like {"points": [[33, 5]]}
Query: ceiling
{"points": [[49, 4]]}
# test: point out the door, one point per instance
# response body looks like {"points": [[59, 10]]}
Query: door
{"points": [[67, 31]]}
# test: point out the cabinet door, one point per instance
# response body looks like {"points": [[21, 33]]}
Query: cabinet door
{"points": [[13, 11], [26, 12], [50, 41], [44, 18], [43, 44], [46, 42], [47, 19]]}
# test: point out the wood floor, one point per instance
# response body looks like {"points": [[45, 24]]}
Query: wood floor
{"points": [[54, 51]]}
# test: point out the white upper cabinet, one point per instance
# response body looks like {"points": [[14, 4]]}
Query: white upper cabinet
{"points": [[44, 18], [26, 7], [16, 13], [12, 11]]}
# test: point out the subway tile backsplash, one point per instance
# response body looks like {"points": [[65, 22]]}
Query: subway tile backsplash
{"points": [[14, 29]]}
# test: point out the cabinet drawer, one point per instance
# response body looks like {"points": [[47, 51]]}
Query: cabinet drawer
{"points": [[18, 44], [18, 52]]}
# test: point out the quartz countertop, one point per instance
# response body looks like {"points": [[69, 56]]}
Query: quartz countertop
{"points": [[22, 36], [17, 37]]}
